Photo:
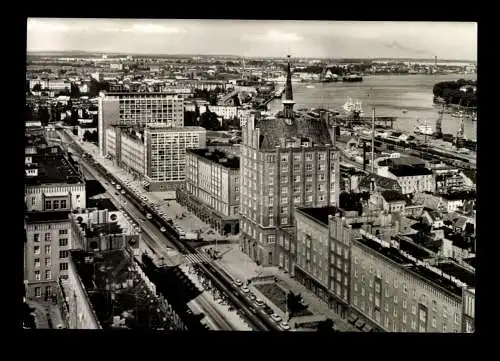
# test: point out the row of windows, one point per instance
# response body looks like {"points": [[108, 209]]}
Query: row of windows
{"points": [[56, 204]]}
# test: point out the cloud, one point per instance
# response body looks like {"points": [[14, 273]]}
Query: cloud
{"points": [[277, 36]]}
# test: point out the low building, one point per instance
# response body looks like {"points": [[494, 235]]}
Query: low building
{"points": [[411, 178], [397, 289], [389, 201], [211, 189]]}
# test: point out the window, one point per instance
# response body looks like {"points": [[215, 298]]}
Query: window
{"points": [[309, 167], [414, 324], [63, 242], [48, 290], [434, 321], [371, 282], [355, 285], [370, 296], [395, 312], [48, 274], [63, 231], [271, 239], [404, 303], [395, 299], [63, 266], [404, 317], [47, 249], [38, 292], [444, 327], [395, 327], [386, 321], [48, 205], [55, 204], [309, 156], [405, 288], [47, 262], [63, 204], [36, 250], [48, 237], [355, 300], [37, 262], [296, 178], [386, 307], [33, 201], [395, 283], [362, 290], [457, 318], [284, 220], [37, 275], [36, 237], [414, 309]]}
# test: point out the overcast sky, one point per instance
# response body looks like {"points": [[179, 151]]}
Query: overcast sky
{"points": [[260, 38]]}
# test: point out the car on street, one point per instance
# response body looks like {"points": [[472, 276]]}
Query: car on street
{"points": [[252, 296], [245, 289], [284, 325], [163, 229], [276, 318], [122, 192], [238, 282], [259, 302]]}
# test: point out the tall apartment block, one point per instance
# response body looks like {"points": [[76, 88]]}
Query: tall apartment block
{"points": [[211, 189], [53, 188], [165, 154], [124, 110], [286, 162]]}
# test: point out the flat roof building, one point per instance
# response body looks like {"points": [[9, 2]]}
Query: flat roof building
{"points": [[212, 188]]}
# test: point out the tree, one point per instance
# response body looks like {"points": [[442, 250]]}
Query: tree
{"points": [[326, 325], [86, 136]]}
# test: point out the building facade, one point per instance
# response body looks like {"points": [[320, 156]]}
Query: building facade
{"points": [[211, 189], [138, 109], [126, 148], [400, 293], [286, 162], [48, 240], [165, 154]]}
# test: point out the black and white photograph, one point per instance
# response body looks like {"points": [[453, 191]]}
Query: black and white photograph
{"points": [[250, 175]]}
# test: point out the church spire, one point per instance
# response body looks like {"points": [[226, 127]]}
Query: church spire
{"points": [[288, 102], [288, 86]]}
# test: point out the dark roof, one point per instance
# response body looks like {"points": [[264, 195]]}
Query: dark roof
{"points": [[393, 196], [101, 228], [272, 131], [380, 182], [471, 261], [470, 173], [459, 196], [54, 216], [389, 252], [458, 240], [320, 214], [113, 268], [101, 203], [217, 156], [53, 168], [413, 249], [458, 272], [437, 279], [404, 170]]}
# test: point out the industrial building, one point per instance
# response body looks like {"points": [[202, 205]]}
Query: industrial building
{"points": [[212, 188], [286, 162]]}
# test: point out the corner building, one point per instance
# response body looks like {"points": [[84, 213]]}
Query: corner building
{"points": [[286, 162]]}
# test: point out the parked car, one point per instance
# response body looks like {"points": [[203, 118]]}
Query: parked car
{"points": [[259, 302], [276, 318], [284, 325], [163, 229], [245, 289], [238, 282]]}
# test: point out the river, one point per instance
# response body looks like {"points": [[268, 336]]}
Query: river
{"points": [[390, 94]]}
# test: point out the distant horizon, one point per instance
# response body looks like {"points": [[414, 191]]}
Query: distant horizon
{"points": [[117, 53], [256, 38]]}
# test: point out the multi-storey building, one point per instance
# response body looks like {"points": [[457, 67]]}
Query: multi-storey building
{"points": [[286, 162], [138, 109], [397, 288], [129, 153], [322, 258], [165, 154], [211, 189], [411, 178], [53, 188]]}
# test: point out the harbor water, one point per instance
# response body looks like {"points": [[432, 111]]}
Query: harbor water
{"points": [[389, 94]]}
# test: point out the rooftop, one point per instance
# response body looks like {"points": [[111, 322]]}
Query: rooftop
{"points": [[412, 248], [404, 170], [142, 94], [380, 182], [437, 279], [393, 196], [111, 273], [463, 195], [217, 156], [389, 252], [39, 217], [458, 272], [101, 203], [53, 167], [320, 214], [97, 229], [272, 131], [159, 127]]}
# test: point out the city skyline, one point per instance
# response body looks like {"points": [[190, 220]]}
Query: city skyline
{"points": [[256, 38]]}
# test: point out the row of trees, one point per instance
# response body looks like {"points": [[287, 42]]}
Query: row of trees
{"points": [[451, 93]]}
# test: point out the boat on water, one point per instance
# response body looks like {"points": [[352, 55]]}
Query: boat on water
{"points": [[352, 78], [353, 107]]}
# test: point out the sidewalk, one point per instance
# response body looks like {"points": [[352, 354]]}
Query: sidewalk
{"points": [[239, 265]]}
